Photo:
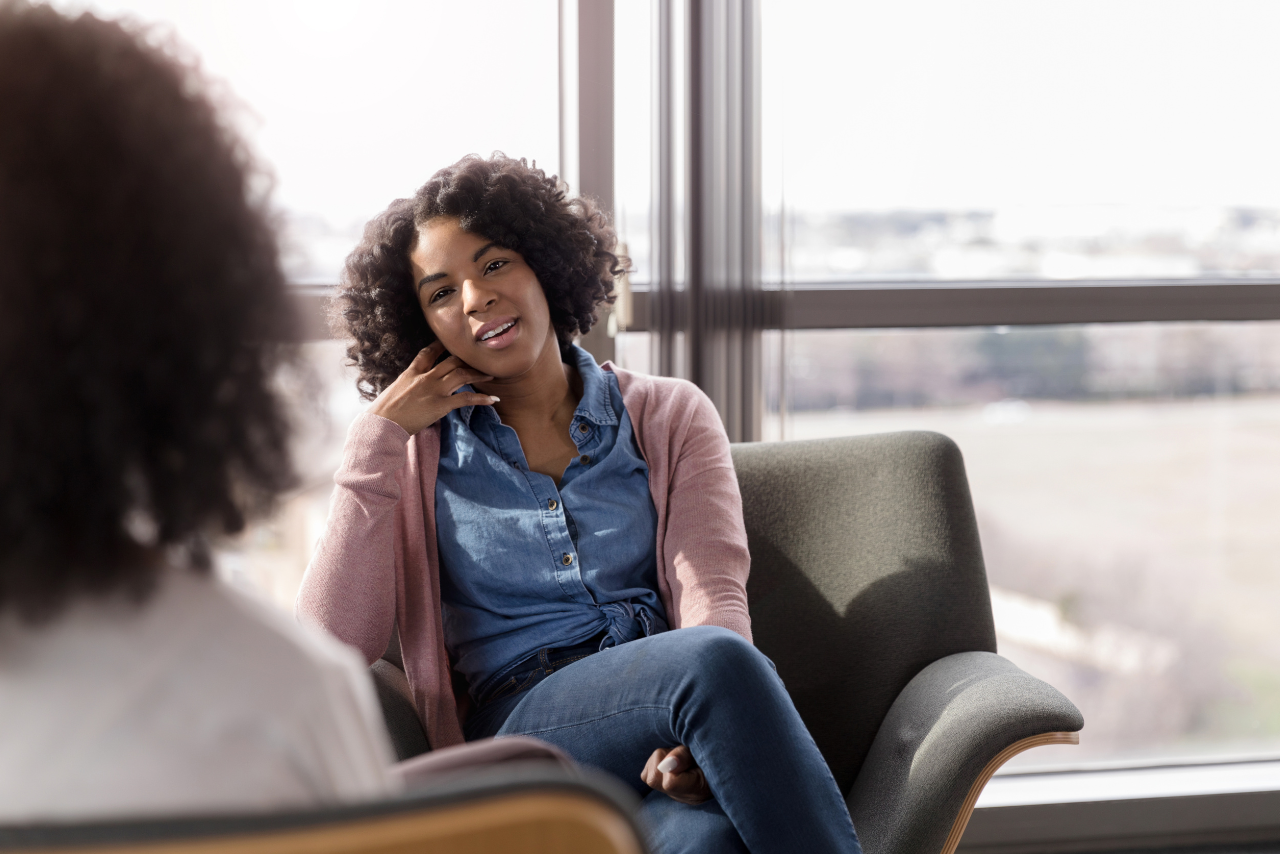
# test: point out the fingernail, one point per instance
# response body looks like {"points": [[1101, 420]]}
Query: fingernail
{"points": [[668, 765], [494, 399]]}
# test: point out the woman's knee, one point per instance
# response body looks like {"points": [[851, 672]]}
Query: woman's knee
{"points": [[719, 653]]}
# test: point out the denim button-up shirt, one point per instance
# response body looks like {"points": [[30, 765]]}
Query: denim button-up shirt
{"points": [[526, 565]]}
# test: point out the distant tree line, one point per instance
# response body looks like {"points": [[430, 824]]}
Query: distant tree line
{"points": [[855, 369]]}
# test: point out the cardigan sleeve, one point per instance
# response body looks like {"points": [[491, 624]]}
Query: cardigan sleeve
{"points": [[349, 587], [705, 543]]}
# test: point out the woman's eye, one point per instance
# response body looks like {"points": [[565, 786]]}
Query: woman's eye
{"points": [[495, 264], [440, 294]]}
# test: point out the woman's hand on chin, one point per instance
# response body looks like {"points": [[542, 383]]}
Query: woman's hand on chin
{"points": [[423, 394], [674, 773]]}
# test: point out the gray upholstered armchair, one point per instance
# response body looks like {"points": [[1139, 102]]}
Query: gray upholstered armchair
{"points": [[868, 591]]}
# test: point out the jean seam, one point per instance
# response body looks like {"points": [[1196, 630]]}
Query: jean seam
{"points": [[568, 661], [596, 719]]}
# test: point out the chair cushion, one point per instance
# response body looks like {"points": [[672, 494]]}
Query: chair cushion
{"points": [[407, 735]]}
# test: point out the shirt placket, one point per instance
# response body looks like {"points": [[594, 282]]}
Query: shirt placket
{"points": [[586, 438], [565, 566]]}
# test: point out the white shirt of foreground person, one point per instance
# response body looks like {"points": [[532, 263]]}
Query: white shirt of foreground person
{"points": [[198, 701]]}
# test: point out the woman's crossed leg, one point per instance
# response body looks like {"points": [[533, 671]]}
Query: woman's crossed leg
{"points": [[707, 688]]}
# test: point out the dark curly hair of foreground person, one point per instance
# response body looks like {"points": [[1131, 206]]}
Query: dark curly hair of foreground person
{"points": [[568, 243], [140, 299]]}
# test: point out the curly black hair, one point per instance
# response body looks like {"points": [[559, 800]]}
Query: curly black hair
{"points": [[141, 302], [567, 242]]}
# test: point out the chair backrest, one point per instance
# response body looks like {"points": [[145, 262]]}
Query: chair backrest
{"points": [[865, 568], [537, 808]]}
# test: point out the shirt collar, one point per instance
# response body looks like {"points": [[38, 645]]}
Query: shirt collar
{"points": [[594, 406]]}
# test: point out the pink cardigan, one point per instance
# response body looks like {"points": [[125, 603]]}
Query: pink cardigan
{"points": [[377, 565]]}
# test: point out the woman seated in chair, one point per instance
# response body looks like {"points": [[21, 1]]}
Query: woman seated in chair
{"points": [[560, 545], [140, 303]]}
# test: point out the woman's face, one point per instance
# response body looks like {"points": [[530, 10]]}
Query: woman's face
{"points": [[482, 301]]}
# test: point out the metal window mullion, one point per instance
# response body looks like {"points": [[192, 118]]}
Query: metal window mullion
{"points": [[720, 222], [587, 118], [697, 177], [755, 320]]}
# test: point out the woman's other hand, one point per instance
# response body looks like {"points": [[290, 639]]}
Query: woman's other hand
{"points": [[424, 394], [674, 773]]}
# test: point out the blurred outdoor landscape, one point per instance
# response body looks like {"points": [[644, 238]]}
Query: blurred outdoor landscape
{"points": [[1053, 242], [1125, 480]]}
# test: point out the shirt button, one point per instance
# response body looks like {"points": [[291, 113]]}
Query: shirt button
{"points": [[567, 559], [516, 464], [552, 504], [584, 459], [583, 428]]}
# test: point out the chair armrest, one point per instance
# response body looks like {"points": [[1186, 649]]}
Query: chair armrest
{"points": [[948, 731], [407, 734]]}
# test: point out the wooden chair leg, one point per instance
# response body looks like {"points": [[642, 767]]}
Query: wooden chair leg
{"points": [[966, 809]]}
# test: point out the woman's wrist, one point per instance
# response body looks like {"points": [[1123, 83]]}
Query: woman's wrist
{"points": [[375, 446]]}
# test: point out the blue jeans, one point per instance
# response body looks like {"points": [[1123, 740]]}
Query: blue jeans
{"points": [[704, 687]]}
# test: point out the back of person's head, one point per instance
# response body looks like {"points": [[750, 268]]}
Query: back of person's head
{"points": [[141, 300]]}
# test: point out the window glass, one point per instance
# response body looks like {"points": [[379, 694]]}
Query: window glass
{"points": [[1000, 139], [352, 105], [1124, 478], [633, 132], [633, 168]]}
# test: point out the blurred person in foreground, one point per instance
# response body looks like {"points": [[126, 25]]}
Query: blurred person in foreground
{"points": [[140, 302]]}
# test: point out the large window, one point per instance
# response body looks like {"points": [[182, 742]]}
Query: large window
{"points": [[1123, 474]]}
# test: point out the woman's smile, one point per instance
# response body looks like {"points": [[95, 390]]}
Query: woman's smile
{"points": [[497, 334]]}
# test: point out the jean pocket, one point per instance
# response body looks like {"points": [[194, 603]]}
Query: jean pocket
{"points": [[514, 685]]}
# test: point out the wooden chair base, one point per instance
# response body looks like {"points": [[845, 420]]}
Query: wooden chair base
{"points": [[966, 809], [542, 823]]}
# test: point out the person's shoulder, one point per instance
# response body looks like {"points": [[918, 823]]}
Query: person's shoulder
{"points": [[196, 676], [260, 637], [303, 676], [670, 391]]}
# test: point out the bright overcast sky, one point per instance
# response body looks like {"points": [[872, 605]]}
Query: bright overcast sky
{"points": [[357, 103], [893, 104], [990, 103]]}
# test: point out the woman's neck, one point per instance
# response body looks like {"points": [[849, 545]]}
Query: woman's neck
{"points": [[546, 395]]}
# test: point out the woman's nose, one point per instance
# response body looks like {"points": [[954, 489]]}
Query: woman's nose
{"points": [[475, 296]]}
